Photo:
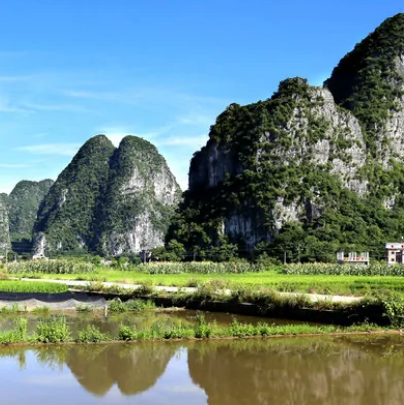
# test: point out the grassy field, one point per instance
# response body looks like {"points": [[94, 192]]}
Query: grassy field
{"points": [[14, 286], [321, 284]]}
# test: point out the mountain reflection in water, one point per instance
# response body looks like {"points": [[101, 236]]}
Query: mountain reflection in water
{"points": [[298, 371]]}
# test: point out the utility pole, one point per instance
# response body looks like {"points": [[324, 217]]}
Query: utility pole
{"points": [[284, 256]]}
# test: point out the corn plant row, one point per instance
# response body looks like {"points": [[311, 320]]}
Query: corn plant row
{"points": [[199, 268], [51, 266], [375, 269]]}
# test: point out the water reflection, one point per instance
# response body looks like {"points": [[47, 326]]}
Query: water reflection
{"points": [[301, 372], [134, 368], [348, 370]]}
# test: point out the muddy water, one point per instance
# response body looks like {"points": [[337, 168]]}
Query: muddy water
{"points": [[349, 371]]}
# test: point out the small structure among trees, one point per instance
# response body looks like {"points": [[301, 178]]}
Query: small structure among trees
{"points": [[395, 253], [352, 258]]}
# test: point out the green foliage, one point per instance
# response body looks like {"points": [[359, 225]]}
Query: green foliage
{"points": [[67, 213], [16, 335], [51, 267], [134, 305], [203, 329], [14, 286], [23, 203], [92, 335], [394, 309], [54, 331], [126, 333], [173, 252]]}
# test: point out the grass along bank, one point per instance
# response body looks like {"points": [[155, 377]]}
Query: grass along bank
{"points": [[58, 331], [17, 286]]}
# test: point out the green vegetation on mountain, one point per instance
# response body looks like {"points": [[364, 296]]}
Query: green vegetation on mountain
{"points": [[300, 174], [107, 200], [66, 215], [23, 203]]}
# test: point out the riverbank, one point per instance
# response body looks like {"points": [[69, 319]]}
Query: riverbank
{"points": [[260, 301]]}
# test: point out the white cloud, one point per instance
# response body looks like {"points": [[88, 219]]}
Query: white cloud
{"points": [[57, 107], [197, 119], [194, 141], [61, 149], [13, 166], [16, 78], [6, 106]]}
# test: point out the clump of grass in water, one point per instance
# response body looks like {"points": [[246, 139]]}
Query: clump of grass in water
{"points": [[135, 305], [41, 310], [54, 331], [140, 305], [83, 308], [178, 331], [126, 333], [116, 305], [17, 335], [92, 334], [203, 330], [12, 309]]}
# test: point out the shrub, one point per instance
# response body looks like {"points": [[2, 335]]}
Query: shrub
{"points": [[126, 333], [54, 331], [92, 334]]}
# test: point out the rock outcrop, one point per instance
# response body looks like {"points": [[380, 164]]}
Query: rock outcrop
{"points": [[5, 244], [139, 200]]}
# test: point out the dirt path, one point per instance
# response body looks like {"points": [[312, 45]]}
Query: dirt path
{"points": [[312, 297]]}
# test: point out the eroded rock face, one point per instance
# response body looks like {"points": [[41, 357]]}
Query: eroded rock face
{"points": [[109, 201], [140, 199], [316, 136], [4, 227]]}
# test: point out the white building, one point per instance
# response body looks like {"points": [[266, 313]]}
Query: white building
{"points": [[395, 253]]}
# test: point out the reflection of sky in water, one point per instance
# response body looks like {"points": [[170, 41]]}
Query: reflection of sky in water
{"points": [[38, 383]]}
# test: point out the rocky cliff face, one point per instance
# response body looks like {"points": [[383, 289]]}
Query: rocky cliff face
{"points": [[110, 201], [23, 203], [300, 156], [4, 226], [140, 198]]}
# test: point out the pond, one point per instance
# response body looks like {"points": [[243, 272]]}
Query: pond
{"points": [[362, 370]]}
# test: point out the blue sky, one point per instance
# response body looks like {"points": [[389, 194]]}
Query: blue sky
{"points": [[159, 69]]}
